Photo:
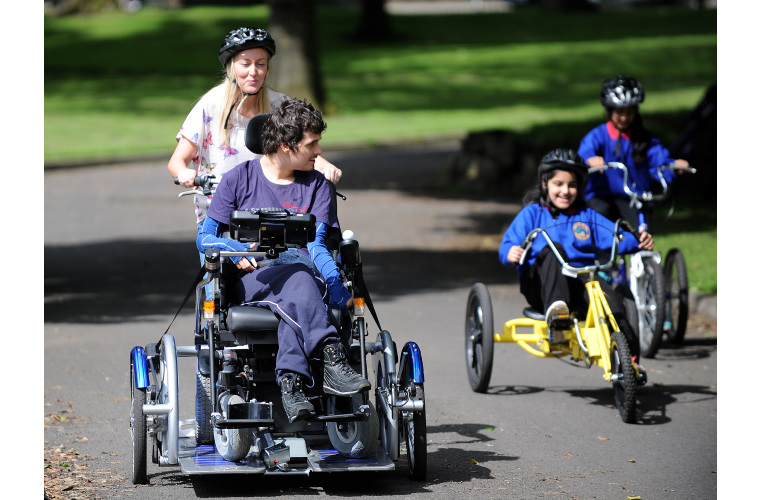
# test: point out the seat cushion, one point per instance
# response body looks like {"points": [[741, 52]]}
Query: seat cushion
{"points": [[251, 319]]}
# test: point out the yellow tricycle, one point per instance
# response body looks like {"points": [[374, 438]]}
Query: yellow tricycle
{"points": [[595, 339]]}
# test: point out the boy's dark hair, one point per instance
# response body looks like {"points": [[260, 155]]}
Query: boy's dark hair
{"points": [[558, 159], [287, 125]]}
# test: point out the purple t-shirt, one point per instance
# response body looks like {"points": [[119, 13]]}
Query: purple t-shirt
{"points": [[245, 187]]}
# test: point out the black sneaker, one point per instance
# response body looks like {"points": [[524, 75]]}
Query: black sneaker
{"points": [[339, 378], [297, 407]]}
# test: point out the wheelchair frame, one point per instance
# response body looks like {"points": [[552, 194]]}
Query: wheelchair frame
{"points": [[236, 412]]}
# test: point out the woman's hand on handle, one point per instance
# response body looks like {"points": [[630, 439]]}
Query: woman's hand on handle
{"points": [[330, 171]]}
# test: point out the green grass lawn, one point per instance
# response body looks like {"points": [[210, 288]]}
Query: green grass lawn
{"points": [[121, 84]]}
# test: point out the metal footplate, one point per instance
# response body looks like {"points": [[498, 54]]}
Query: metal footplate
{"points": [[278, 456]]}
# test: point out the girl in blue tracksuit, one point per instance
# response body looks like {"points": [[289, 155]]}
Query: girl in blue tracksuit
{"points": [[623, 139], [557, 206]]}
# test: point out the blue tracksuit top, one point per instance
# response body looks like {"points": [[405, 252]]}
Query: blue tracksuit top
{"points": [[580, 232], [602, 141]]}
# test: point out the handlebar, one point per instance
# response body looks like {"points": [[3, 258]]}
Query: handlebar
{"points": [[206, 182], [647, 195], [573, 271]]}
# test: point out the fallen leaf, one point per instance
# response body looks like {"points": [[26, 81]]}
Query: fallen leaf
{"points": [[602, 438], [567, 456], [631, 460], [471, 460]]}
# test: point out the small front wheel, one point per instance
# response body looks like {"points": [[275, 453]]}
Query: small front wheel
{"points": [[623, 377], [354, 438], [676, 296], [137, 427], [232, 445], [478, 337]]}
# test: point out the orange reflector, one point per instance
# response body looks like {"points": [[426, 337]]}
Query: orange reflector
{"points": [[208, 305]]}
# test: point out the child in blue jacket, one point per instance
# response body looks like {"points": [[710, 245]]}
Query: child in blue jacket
{"points": [[557, 206], [623, 139]]}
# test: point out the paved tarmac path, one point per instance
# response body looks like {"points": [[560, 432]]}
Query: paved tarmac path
{"points": [[119, 257]]}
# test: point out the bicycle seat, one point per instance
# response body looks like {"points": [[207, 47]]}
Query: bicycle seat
{"points": [[531, 313]]}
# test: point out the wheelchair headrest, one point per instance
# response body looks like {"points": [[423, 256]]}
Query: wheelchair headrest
{"points": [[254, 133]]}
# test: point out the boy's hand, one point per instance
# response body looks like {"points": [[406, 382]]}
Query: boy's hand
{"points": [[646, 241], [515, 253], [595, 161]]}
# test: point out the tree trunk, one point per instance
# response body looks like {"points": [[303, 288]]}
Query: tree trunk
{"points": [[374, 22], [295, 68]]}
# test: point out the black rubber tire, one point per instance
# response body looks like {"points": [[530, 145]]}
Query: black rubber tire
{"points": [[232, 445], [478, 337], [624, 388], [652, 292], [204, 431], [415, 430], [631, 313], [355, 439], [676, 295], [137, 427]]}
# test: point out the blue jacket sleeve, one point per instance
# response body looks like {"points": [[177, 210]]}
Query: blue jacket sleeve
{"points": [[209, 236], [603, 239], [516, 233], [322, 258]]}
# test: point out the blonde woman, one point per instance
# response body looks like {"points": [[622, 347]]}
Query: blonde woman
{"points": [[212, 138]]}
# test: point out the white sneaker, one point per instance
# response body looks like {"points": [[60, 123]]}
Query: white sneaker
{"points": [[556, 309]]}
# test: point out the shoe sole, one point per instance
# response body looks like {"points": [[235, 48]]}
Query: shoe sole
{"points": [[330, 390], [302, 415]]}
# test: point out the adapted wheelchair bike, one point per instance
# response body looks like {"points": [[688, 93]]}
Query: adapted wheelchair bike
{"points": [[240, 425], [594, 339], [660, 289]]}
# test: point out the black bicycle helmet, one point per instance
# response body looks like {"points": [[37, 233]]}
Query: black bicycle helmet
{"points": [[563, 159], [244, 38], [621, 92]]}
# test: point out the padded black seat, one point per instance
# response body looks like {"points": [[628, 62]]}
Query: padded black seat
{"points": [[251, 319], [531, 313]]}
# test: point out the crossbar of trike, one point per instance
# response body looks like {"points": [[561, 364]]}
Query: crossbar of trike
{"points": [[594, 334]]}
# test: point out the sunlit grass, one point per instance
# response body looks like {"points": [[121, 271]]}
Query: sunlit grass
{"points": [[117, 82]]}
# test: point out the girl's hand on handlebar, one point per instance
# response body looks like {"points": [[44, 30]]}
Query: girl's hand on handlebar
{"points": [[186, 177], [646, 241], [682, 166], [514, 254], [595, 161]]}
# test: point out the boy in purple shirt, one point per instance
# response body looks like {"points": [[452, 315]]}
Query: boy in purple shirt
{"points": [[285, 177]]}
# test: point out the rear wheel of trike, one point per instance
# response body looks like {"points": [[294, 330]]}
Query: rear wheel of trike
{"points": [[623, 377], [478, 337], [354, 438], [676, 296], [137, 427], [652, 317]]}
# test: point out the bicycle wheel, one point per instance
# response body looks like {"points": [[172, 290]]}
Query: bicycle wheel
{"points": [[623, 377], [676, 296], [652, 316], [478, 337]]}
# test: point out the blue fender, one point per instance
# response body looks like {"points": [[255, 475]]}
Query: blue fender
{"points": [[140, 363], [414, 355]]}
